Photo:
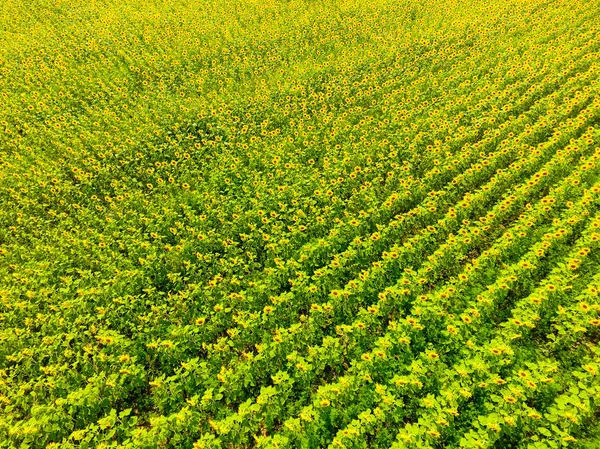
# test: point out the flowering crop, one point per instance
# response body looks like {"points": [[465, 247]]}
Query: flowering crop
{"points": [[299, 224]]}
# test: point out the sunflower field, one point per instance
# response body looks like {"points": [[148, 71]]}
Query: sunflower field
{"points": [[300, 224]]}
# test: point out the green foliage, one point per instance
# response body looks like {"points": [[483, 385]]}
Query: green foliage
{"points": [[299, 224]]}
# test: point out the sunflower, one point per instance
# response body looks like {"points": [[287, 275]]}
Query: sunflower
{"points": [[584, 306]]}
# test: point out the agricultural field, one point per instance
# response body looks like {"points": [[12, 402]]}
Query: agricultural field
{"points": [[300, 224]]}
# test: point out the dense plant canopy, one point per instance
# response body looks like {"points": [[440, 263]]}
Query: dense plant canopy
{"points": [[299, 224]]}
